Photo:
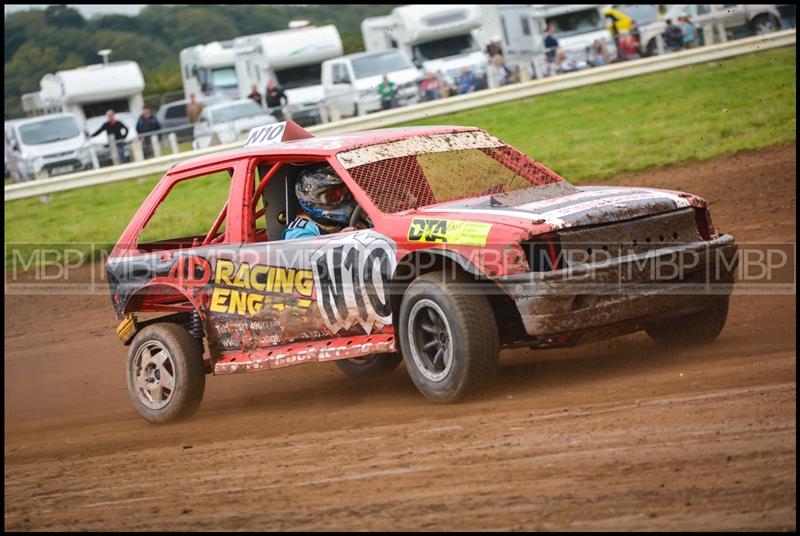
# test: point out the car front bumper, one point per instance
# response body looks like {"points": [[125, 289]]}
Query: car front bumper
{"points": [[664, 282]]}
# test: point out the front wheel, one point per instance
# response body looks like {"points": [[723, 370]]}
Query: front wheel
{"points": [[696, 328], [448, 336], [764, 24], [166, 376], [373, 366]]}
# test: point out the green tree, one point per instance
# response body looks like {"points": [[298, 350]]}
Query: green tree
{"points": [[61, 16]]}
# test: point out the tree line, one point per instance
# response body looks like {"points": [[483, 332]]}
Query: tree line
{"points": [[39, 41]]}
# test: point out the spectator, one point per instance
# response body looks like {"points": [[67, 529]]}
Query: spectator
{"points": [[386, 92], [276, 99], [254, 94], [635, 32], [563, 63], [598, 55], [499, 75], [467, 82], [550, 43], [147, 123], [118, 130], [628, 46], [688, 30], [495, 47], [193, 109], [673, 36], [788, 13], [431, 87]]}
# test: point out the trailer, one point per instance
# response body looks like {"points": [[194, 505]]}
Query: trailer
{"points": [[441, 39], [90, 91], [292, 59], [209, 70]]}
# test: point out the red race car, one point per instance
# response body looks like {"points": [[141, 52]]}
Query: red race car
{"points": [[456, 245]]}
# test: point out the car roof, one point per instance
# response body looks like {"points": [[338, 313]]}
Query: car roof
{"points": [[228, 103], [322, 146], [26, 121]]}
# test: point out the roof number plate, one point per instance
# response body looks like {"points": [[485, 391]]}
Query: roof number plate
{"points": [[266, 135]]}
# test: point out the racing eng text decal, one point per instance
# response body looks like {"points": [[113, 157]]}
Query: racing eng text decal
{"points": [[351, 274], [467, 233]]}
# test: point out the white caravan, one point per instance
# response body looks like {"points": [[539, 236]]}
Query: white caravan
{"points": [[438, 38], [209, 70], [90, 91], [351, 82], [45, 146], [292, 59]]}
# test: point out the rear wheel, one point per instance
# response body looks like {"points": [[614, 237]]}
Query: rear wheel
{"points": [[448, 336], [166, 376], [373, 366], [697, 328]]}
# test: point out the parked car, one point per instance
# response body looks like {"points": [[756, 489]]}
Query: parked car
{"points": [[352, 80], [457, 245], [173, 114], [101, 143], [228, 120], [47, 145], [755, 19]]}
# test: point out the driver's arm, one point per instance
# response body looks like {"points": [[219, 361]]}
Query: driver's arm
{"points": [[301, 227]]}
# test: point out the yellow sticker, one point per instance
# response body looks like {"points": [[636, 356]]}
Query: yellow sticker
{"points": [[468, 233]]}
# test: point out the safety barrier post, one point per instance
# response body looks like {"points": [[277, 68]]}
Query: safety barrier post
{"points": [[155, 143], [172, 138], [112, 143], [136, 150]]}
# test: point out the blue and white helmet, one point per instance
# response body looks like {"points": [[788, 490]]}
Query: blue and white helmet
{"points": [[323, 196]]}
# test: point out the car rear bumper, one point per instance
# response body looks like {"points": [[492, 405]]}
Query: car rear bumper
{"points": [[663, 282]]}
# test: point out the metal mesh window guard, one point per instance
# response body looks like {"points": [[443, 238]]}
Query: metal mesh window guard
{"points": [[417, 180]]}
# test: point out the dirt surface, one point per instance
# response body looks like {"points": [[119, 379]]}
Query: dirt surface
{"points": [[619, 435]]}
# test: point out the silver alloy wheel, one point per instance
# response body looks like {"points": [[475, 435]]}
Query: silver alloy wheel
{"points": [[431, 340], [154, 375], [765, 25]]}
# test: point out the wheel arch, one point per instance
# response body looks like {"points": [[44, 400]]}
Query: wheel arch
{"points": [[506, 315]]}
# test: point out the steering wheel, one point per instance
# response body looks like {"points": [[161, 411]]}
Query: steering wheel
{"points": [[359, 215]]}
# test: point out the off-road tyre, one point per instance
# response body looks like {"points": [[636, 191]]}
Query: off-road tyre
{"points": [[373, 366], [697, 328]]}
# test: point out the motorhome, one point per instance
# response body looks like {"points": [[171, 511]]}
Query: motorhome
{"points": [[521, 32], [209, 69], [45, 146], [440, 39], [90, 91], [293, 60], [351, 82]]}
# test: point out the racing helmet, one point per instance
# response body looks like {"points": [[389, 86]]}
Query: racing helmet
{"points": [[323, 196]]}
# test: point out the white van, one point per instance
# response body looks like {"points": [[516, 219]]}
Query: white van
{"points": [[47, 145], [352, 81]]}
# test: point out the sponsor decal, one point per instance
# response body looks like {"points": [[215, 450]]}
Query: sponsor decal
{"points": [[351, 273], [467, 233], [246, 289]]}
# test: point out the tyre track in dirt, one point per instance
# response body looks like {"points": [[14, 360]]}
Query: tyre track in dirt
{"points": [[619, 435]]}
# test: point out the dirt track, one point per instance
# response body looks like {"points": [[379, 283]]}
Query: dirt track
{"points": [[615, 436]]}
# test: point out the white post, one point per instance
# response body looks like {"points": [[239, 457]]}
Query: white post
{"points": [[660, 45], [155, 143], [708, 34], [323, 112], [112, 143], [524, 72], [723, 37], [287, 113], [136, 149], [335, 114], [95, 160], [173, 142]]}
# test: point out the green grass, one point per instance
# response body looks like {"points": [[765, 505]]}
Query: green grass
{"points": [[598, 131]]}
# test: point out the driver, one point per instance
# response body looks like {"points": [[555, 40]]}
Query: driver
{"points": [[326, 203]]}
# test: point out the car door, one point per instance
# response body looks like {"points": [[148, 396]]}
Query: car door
{"points": [[341, 89], [278, 291], [733, 15]]}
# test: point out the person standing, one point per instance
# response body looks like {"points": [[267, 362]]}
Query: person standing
{"points": [[193, 109], [254, 94], [386, 90], [118, 130], [495, 47], [276, 99], [673, 36], [147, 123], [550, 47], [688, 32], [788, 13]]}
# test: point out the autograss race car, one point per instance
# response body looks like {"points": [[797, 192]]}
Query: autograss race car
{"points": [[460, 245]]}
